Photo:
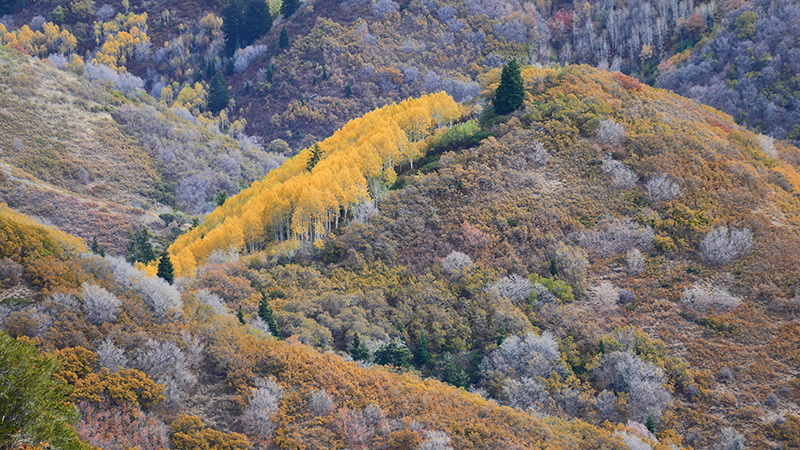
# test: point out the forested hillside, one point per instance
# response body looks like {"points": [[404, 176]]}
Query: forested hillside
{"points": [[299, 72], [273, 224], [84, 150]]}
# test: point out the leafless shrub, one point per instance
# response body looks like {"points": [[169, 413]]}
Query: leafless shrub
{"points": [[662, 188], [245, 56], [320, 404], [105, 12], [533, 356], [261, 326], [633, 442], [266, 401], [538, 154], [218, 256], [730, 439], [111, 357], [610, 133], [768, 146], [635, 260], [214, 301], [705, 300], [364, 210], [384, 7], [167, 364], [616, 236], [720, 247], [526, 393], [624, 372], [435, 440], [193, 349], [513, 287], [606, 295], [99, 305], [455, 263], [621, 177], [160, 296]]}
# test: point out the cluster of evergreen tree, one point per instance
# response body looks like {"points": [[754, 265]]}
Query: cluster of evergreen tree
{"points": [[245, 22]]}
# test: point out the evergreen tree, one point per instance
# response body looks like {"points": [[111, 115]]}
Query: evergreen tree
{"points": [[650, 423], [221, 197], [394, 353], [501, 333], [316, 155], [283, 41], [165, 269], [139, 247], [233, 25], [217, 94], [348, 91], [257, 21], [97, 248], [289, 7], [240, 316], [423, 355], [511, 92], [266, 314], [359, 351], [452, 373]]}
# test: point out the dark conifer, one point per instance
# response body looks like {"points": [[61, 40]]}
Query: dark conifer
{"points": [[266, 314], [316, 155], [289, 7], [240, 316], [165, 268], [423, 354], [139, 248], [283, 41], [232, 25], [217, 94], [359, 351], [257, 21], [511, 92]]}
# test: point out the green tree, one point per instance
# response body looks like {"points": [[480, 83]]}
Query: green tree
{"points": [[423, 355], [359, 351], [746, 24], [221, 197], [97, 248], [139, 248], [316, 155], [283, 40], [257, 21], [266, 314], [165, 269], [511, 92], [33, 404], [233, 25], [348, 90], [394, 353], [452, 373], [289, 7], [217, 93], [650, 423], [240, 316]]}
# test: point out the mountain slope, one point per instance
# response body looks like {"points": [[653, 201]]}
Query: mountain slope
{"points": [[94, 162], [656, 212]]}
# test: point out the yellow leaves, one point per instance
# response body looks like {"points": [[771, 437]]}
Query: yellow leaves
{"points": [[128, 385], [37, 43], [121, 38], [292, 202], [190, 433]]}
